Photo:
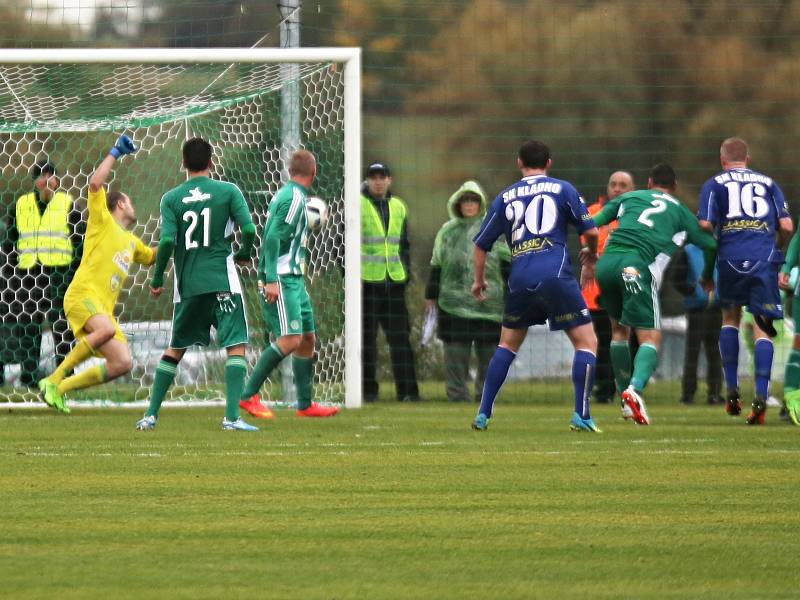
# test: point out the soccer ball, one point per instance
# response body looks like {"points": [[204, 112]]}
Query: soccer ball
{"points": [[316, 213]]}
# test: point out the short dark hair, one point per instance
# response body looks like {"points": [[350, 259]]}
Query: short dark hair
{"points": [[663, 175], [112, 199], [196, 154], [41, 167], [534, 154]]}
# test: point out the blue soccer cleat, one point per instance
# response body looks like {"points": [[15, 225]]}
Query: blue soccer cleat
{"points": [[146, 423], [481, 422], [579, 424], [237, 425]]}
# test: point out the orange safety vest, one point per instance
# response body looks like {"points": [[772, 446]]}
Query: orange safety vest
{"points": [[591, 292]]}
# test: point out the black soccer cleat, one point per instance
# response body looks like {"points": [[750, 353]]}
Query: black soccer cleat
{"points": [[733, 405], [758, 412]]}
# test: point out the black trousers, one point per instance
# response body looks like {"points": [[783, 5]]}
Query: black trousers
{"points": [[384, 305], [604, 387], [702, 329], [30, 298]]}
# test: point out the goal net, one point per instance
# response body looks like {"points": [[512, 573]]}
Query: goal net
{"points": [[255, 107]]}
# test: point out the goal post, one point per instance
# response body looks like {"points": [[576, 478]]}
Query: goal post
{"points": [[68, 105]]}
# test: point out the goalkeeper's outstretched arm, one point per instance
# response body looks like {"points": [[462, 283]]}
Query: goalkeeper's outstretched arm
{"points": [[123, 146]]}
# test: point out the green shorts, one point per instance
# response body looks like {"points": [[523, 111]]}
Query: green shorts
{"points": [[292, 314], [627, 291], [194, 317]]}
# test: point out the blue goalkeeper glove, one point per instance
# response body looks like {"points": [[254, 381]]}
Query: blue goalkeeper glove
{"points": [[124, 146]]}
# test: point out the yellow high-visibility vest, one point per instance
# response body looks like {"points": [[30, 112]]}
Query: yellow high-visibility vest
{"points": [[380, 248], [44, 238]]}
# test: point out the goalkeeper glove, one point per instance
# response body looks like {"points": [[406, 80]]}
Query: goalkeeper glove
{"points": [[123, 146]]}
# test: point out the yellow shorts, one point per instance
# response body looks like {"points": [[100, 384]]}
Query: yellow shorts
{"points": [[78, 312]]}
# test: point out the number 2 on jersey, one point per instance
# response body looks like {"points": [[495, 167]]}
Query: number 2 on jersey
{"points": [[192, 217], [659, 206]]}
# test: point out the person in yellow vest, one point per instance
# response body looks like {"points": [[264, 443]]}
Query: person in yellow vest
{"points": [[384, 275], [45, 235]]}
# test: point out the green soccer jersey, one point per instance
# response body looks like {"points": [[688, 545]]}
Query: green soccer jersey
{"points": [[201, 215], [283, 250], [653, 224]]}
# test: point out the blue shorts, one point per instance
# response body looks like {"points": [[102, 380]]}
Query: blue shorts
{"points": [[557, 300], [750, 283]]}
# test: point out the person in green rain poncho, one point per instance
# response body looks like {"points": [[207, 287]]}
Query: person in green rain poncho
{"points": [[463, 321]]}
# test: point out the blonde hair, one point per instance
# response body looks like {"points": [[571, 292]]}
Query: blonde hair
{"points": [[734, 150], [302, 163]]}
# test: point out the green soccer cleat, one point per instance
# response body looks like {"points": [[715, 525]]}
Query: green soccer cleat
{"points": [[481, 422], [792, 401], [579, 424], [49, 393]]}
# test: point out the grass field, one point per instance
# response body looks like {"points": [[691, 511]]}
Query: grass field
{"points": [[400, 501]]}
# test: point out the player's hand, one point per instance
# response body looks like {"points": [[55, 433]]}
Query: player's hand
{"points": [[124, 146], [708, 286], [587, 276], [783, 281], [270, 292], [479, 290], [155, 292], [587, 257]]}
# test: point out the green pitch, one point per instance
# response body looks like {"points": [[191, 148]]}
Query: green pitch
{"points": [[400, 501]]}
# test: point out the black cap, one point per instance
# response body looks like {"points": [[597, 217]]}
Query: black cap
{"points": [[42, 166], [378, 167]]}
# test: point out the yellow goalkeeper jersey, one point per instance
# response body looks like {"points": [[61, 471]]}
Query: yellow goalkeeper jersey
{"points": [[108, 251]]}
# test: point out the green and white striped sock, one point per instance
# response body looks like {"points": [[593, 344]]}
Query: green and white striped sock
{"points": [[165, 375], [235, 370]]}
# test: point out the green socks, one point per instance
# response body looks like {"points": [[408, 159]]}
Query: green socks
{"points": [[303, 369], [165, 375], [235, 370], [621, 364], [644, 364], [791, 380], [268, 360]]}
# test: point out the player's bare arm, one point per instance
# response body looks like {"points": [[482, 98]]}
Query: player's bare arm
{"points": [[479, 286], [123, 146], [785, 231], [706, 226]]}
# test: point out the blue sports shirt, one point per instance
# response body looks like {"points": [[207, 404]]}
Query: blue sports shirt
{"points": [[533, 214], [744, 206]]}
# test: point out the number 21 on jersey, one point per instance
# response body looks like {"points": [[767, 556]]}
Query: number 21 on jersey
{"points": [[192, 218]]}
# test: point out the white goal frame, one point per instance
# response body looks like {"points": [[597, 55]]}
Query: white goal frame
{"points": [[351, 59]]}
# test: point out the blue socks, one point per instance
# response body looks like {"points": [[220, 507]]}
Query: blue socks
{"points": [[729, 352], [764, 351], [583, 367], [495, 377]]}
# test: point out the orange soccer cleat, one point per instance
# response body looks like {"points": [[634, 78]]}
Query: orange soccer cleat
{"points": [[256, 408], [317, 410]]}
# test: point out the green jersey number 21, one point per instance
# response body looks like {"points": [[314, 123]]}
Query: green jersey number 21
{"points": [[192, 218]]}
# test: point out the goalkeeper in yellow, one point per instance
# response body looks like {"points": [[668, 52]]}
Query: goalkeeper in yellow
{"points": [[108, 252]]}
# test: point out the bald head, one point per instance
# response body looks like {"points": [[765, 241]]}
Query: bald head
{"points": [[733, 152], [619, 183]]}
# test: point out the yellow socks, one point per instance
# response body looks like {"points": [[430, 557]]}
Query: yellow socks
{"points": [[89, 377], [76, 356]]}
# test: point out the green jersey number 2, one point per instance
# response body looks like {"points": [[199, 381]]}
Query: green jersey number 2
{"points": [[192, 218], [659, 206]]}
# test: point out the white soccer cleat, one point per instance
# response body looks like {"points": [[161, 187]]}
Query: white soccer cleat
{"points": [[237, 425], [636, 405], [147, 423], [627, 413]]}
